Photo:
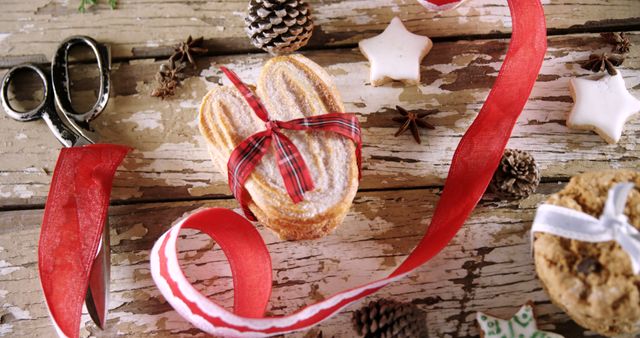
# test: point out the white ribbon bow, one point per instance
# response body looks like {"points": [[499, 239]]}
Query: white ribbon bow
{"points": [[613, 225]]}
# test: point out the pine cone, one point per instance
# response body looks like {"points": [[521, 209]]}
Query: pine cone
{"points": [[389, 319], [517, 175], [279, 26]]}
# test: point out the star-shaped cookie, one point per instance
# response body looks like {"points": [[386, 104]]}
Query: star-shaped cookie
{"points": [[395, 54], [602, 105], [521, 325]]}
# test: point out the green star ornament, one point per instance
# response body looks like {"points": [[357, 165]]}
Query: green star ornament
{"points": [[521, 325]]}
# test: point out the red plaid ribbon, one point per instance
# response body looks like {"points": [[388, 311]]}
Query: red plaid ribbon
{"points": [[294, 171]]}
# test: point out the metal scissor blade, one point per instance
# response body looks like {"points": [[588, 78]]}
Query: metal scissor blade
{"points": [[98, 290]]}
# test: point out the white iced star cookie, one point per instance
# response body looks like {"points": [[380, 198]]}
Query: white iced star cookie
{"points": [[395, 54], [521, 325], [602, 106]]}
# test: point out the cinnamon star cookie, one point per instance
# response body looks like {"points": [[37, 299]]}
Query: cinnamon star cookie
{"points": [[602, 106], [395, 54]]}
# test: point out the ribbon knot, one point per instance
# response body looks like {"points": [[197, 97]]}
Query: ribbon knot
{"points": [[271, 125], [613, 224], [295, 174], [618, 223]]}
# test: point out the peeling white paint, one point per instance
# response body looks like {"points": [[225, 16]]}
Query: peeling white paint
{"points": [[152, 43], [146, 119], [5, 329], [194, 124], [352, 80], [149, 323], [190, 104], [494, 13], [21, 191], [362, 19], [17, 312], [21, 136], [353, 9], [4, 36], [16, 191], [26, 28], [33, 170], [6, 268], [463, 10]]}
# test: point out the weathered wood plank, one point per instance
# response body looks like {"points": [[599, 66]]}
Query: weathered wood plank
{"points": [[487, 267], [30, 31], [171, 160]]}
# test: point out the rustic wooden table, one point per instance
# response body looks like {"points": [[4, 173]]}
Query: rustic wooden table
{"points": [[487, 267]]}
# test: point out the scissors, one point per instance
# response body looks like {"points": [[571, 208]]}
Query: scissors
{"points": [[72, 129]]}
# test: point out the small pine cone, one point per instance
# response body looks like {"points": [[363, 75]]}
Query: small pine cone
{"points": [[517, 175], [279, 26], [389, 319]]}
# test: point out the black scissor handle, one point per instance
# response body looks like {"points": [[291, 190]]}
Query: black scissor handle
{"points": [[60, 79], [45, 110], [34, 113]]}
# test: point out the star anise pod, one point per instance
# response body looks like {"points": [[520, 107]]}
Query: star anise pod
{"points": [[168, 78], [186, 50], [620, 42], [412, 121], [600, 63]]}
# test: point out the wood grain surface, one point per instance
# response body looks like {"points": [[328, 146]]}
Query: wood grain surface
{"points": [[487, 267], [171, 160], [31, 30]]}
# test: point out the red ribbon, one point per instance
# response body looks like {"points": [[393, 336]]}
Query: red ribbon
{"points": [[293, 169], [72, 226], [472, 167]]}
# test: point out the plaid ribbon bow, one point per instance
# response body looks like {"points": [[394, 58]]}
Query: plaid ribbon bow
{"points": [[294, 171]]}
